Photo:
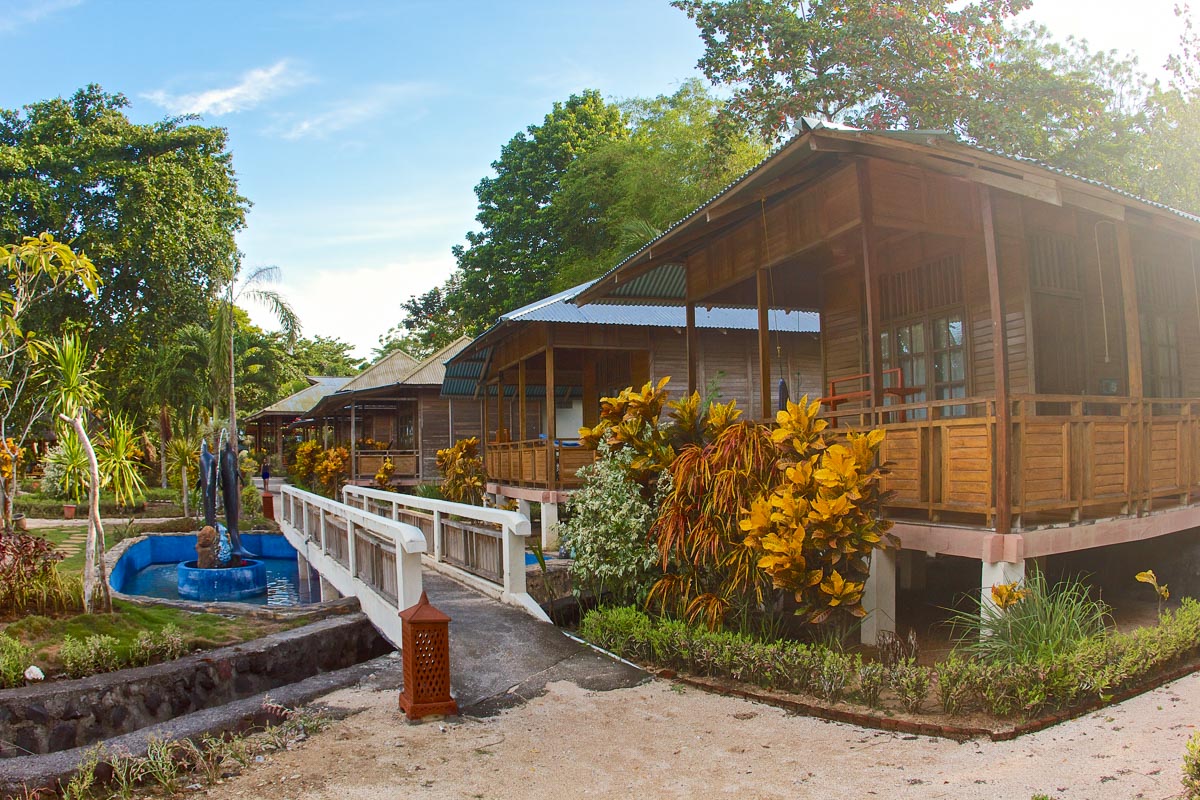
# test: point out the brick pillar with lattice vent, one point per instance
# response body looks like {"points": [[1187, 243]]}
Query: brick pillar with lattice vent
{"points": [[425, 647]]}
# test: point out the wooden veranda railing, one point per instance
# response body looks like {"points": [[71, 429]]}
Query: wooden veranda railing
{"points": [[487, 544], [537, 463], [406, 462], [1073, 457]]}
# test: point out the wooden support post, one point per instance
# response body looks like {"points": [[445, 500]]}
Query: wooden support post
{"points": [[551, 421], [1138, 452], [1002, 470], [1129, 297], [591, 394], [353, 444], [693, 349], [521, 389], [870, 285], [500, 435], [764, 344]]}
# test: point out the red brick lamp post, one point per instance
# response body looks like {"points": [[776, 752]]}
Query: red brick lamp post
{"points": [[425, 648]]}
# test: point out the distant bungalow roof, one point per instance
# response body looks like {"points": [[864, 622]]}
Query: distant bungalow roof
{"points": [[429, 372], [463, 370], [296, 404]]}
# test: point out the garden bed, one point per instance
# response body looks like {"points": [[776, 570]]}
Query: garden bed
{"points": [[61, 715], [957, 698]]}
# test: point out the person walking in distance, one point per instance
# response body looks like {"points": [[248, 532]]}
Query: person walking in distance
{"points": [[266, 474]]}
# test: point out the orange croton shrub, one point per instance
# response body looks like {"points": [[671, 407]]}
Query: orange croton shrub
{"points": [[815, 530]]}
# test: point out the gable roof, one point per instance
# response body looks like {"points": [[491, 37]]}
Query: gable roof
{"points": [[632, 281], [389, 369], [301, 401]]}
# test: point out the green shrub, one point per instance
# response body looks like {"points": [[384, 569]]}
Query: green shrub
{"points": [[872, 677], [911, 682], [251, 501], [1191, 767], [89, 656], [15, 658], [151, 647], [1048, 622], [957, 683], [607, 530]]}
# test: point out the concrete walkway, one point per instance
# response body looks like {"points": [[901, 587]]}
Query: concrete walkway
{"points": [[500, 656]]}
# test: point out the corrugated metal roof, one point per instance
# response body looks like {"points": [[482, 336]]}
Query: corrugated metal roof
{"points": [[432, 371], [558, 308], [389, 369], [668, 282], [809, 124], [306, 398]]}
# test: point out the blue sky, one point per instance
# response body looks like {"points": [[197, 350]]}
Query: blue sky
{"points": [[358, 129]]}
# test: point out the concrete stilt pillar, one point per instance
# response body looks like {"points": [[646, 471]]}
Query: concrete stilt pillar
{"points": [[328, 592], [524, 507], [997, 572], [879, 597], [304, 573], [549, 527], [912, 570]]}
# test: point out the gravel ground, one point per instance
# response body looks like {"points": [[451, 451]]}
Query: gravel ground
{"points": [[663, 740]]}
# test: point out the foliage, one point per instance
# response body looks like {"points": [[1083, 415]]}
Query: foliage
{"points": [[633, 420], [430, 491], [1160, 590], [815, 532], [462, 471], [304, 463], [30, 581], [383, 478], [90, 656], [155, 204], [120, 462], [1191, 767], [511, 259], [1047, 621], [183, 454], [252, 503], [36, 271], [607, 530], [15, 658], [331, 470], [872, 678], [911, 682], [151, 647], [959, 67], [1095, 668]]}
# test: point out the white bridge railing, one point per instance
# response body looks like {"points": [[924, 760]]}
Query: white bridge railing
{"points": [[361, 554], [482, 547]]}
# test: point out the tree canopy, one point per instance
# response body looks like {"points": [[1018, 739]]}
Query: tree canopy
{"points": [[960, 67], [571, 197], [156, 206]]}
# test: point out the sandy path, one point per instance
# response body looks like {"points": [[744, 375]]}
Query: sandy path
{"points": [[661, 740]]}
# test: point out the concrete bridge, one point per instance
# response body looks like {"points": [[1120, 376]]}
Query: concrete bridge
{"points": [[386, 548]]}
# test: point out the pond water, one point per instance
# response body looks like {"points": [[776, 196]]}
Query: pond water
{"points": [[162, 580], [149, 568]]}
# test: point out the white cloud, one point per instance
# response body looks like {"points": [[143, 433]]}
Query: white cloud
{"points": [[369, 104], [15, 14], [357, 304], [252, 89]]}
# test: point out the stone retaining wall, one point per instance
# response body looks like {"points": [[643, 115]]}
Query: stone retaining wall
{"points": [[61, 715]]}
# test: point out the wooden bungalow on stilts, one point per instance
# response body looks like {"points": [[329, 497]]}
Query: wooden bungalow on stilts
{"points": [[539, 374], [394, 410], [1029, 340], [269, 427]]}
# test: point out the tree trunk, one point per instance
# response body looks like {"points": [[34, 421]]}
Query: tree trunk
{"points": [[183, 485], [164, 436], [93, 569]]}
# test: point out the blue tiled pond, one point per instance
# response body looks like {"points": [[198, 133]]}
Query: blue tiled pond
{"points": [[149, 568]]}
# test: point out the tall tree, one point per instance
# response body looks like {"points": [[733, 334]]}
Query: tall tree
{"points": [[156, 206], [923, 64], [512, 258], [620, 194]]}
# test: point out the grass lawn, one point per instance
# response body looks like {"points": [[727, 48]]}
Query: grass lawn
{"points": [[199, 630]]}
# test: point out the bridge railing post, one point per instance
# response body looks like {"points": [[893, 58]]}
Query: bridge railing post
{"points": [[437, 535], [514, 557]]}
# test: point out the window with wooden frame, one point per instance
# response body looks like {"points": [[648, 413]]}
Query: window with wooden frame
{"points": [[924, 334], [1160, 296]]}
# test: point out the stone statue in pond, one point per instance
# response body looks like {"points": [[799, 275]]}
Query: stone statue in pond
{"points": [[220, 545], [208, 484]]}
